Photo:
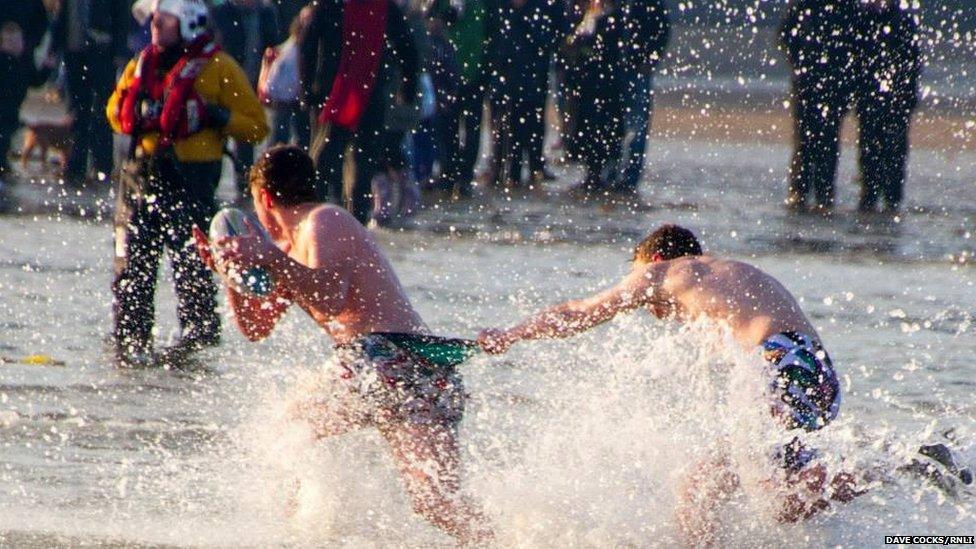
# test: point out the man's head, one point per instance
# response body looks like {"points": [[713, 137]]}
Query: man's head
{"points": [[283, 177], [667, 242], [173, 21]]}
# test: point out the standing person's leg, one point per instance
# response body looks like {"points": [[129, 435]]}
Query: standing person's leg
{"points": [[535, 122], [196, 292], [368, 147], [302, 127], [471, 105], [519, 135], [102, 82], [637, 118], [817, 115], [280, 121], [883, 145], [138, 246], [80, 95], [243, 159], [427, 457], [423, 152], [9, 124], [709, 485], [329, 151]]}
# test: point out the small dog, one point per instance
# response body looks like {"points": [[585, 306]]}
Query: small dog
{"points": [[56, 134]]}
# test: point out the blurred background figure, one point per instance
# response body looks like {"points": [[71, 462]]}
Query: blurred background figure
{"points": [[646, 29], [22, 26], [595, 72], [524, 40], [279, 86], [357, 60], [465, 26], [435, 139], [92, 36], [245, 29], [851, 52]]}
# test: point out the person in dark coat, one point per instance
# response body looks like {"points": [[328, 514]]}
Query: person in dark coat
{"points": [[600, 84], [527, 34], [93, 37], [22, 25], [863, 53], [357, 60], [646, 29]]}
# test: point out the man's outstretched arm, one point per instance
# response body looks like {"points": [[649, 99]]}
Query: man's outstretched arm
{"points": [[572, 317]]}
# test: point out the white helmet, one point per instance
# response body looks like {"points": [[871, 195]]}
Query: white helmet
{"points": [[193, 14]]}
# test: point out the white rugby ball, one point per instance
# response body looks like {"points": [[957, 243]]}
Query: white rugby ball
{"points": [[243, 278]]}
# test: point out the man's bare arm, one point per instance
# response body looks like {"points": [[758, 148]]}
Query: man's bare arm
{"points": [[255, 316], [572, 317], [314, 287]]}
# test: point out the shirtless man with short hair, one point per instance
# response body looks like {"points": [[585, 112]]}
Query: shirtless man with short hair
{"points": [[388, 371], [672, 279]]}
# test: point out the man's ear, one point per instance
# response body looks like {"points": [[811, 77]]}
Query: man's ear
{"points": [[657, 257], [266, 199]]}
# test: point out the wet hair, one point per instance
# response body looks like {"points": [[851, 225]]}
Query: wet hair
{"points": [[669, 242], [286, 171]]}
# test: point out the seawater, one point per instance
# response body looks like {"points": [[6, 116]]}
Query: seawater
{"points": [[581, 442]]}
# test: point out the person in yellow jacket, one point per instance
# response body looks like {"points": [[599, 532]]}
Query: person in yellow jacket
{"points": [[179, 100]]}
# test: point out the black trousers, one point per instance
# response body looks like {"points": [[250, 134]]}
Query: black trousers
{"points": [[91, 78], [9, 124], [521, 118], [460, 134], [173, 197], [819, 105], [329, 147]]}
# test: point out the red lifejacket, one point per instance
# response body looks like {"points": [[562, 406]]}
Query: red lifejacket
{"points": [[363, 36], [169, 105]]}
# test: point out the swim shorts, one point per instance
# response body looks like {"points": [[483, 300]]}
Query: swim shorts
{"points": [[405, 378], [804, 379]]}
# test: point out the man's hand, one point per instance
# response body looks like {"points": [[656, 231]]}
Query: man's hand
{"points": [[494, 341], [247, 250], [203, 248]]}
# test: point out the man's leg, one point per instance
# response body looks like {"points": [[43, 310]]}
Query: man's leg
{"points": [[711, 483], [811, 490], [138, 246], [883, 148], [196, 292], [817, 115], [637, 117], [535, 121], [9, 124], [427, 458], [329, 151], [472, 111], [80, 94], [102, 82], [369, 147]]}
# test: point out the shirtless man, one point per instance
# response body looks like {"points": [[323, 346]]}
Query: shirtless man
{"points": [[671, 278], [388, 371]]}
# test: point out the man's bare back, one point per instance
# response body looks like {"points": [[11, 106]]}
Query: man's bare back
{"points": [[753, 304]]}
